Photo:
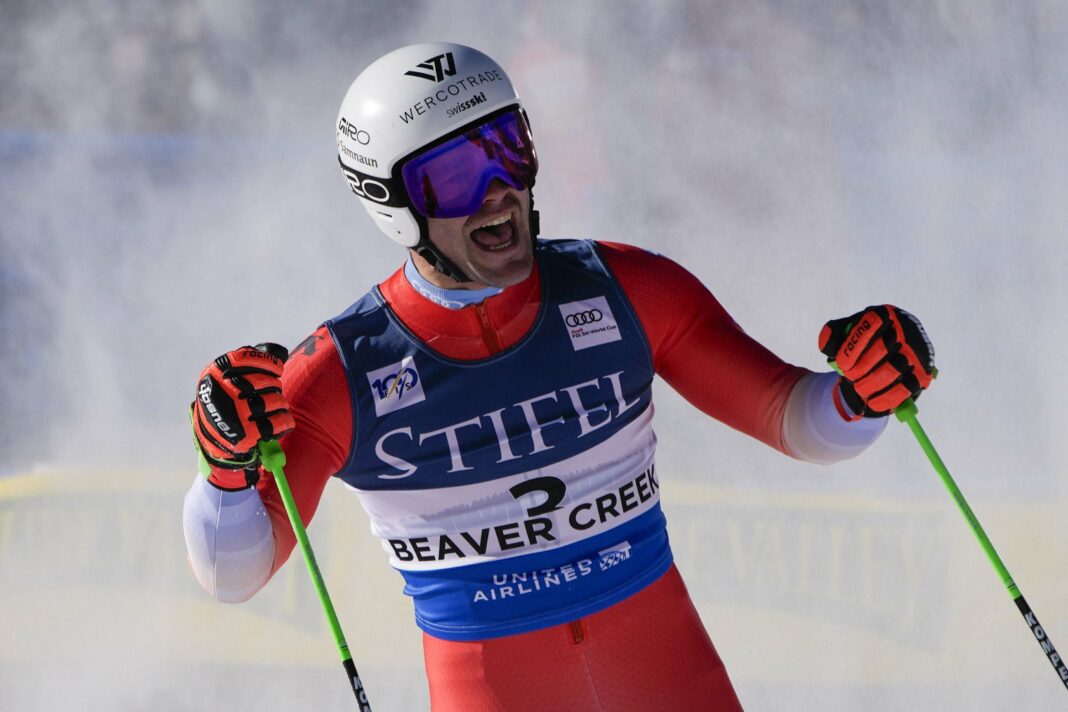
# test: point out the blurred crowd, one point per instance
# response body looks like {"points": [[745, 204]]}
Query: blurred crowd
{"points": [[187, 65]]}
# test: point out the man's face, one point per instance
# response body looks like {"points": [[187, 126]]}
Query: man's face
{"points": [[492, 247]]}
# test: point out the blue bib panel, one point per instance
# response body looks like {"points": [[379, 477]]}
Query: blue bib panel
{"points": [[519, 491]]}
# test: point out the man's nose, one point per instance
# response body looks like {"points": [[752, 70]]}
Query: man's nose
{"points": [[495, 192]]}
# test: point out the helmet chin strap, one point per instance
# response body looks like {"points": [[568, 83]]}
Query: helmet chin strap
{"points": [[438, 261], [429, 252]]}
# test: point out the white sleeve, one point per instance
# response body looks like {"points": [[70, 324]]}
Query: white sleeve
{"points": [[813, 429], [229, 539]]}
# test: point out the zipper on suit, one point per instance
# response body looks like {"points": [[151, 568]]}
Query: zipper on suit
{"points": [[578, 631], [489, 336]]}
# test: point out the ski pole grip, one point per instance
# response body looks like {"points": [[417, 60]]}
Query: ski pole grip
{"points": [[906, 411], [272, 456]]}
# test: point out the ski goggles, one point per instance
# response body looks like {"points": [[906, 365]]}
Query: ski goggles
{"points": [[450, 178]]}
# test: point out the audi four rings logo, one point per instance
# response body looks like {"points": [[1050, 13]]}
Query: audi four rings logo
{"points": [[584, 317], [590, 322]]}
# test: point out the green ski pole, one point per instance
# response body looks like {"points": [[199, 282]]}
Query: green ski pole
{"points": [[274, 460], [906, 413]]}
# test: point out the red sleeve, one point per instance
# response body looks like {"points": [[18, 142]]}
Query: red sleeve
{"points": [[699, 349], [315, 385]]}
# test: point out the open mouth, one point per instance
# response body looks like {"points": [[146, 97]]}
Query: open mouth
{"points": [[495, 234]]}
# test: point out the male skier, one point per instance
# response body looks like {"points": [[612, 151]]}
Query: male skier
{"points": [[491, 404]]}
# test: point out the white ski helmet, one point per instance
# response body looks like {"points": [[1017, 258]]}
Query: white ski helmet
{"points": [[401, 103]]}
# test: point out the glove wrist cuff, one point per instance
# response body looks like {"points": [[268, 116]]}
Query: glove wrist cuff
{"points": [[844, 410], [233, 480]]}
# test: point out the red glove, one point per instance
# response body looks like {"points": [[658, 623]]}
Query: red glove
{"points": [[239, 403], [884, 357]]}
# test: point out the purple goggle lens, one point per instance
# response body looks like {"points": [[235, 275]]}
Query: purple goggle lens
{"points": [[450, 179]]}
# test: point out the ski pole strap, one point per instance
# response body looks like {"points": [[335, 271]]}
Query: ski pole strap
{"points": [[274, 459]]}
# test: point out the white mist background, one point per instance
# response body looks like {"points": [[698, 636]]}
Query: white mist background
{"points": [[169, 190]]}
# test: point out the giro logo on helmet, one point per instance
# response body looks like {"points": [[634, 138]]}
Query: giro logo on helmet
{"points": [[441, 66], [358, 135], [585, 317]]}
